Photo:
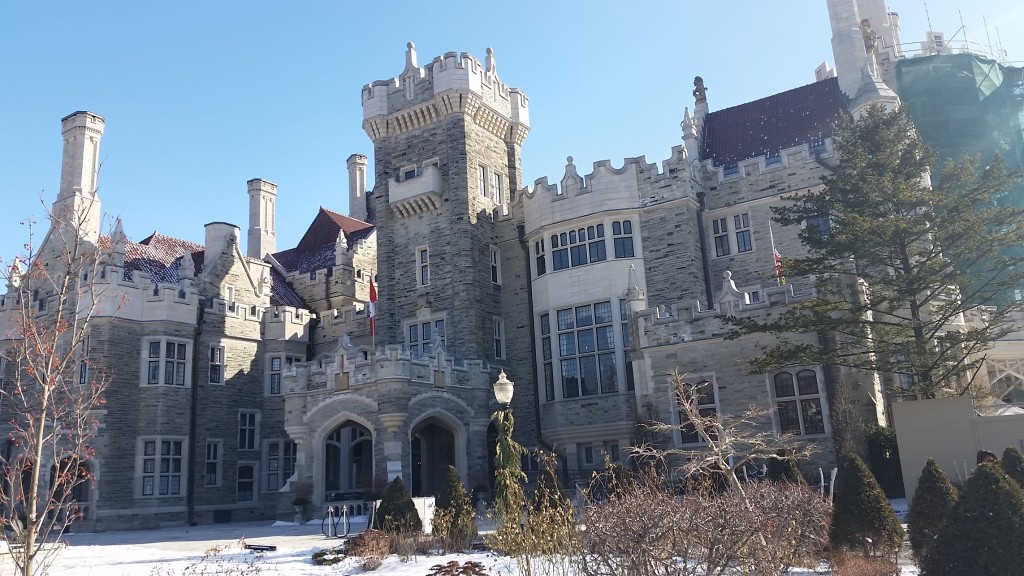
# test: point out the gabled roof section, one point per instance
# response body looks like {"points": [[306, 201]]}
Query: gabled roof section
{"points": [[766, 126], [160, 256], [315, 250], [281, 293], [327, 224]]}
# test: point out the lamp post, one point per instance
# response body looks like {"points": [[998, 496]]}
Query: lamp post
{"points": [[509, 497]]}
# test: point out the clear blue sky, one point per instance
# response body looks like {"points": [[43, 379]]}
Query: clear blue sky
{"points": [[201, 96]]}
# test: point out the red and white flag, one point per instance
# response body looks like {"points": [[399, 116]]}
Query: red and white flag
{"points": [[780, 275], [373, 305]]}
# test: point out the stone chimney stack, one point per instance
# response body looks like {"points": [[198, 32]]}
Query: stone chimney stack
{"points": [[357, 186], [77, 203], [262, 239]]}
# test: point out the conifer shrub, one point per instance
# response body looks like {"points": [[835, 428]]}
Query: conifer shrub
{"points": [[884, 459], [932, 501], [1013, 464], [454, 522], [862, 518], [396, 512], [984, 529], [784, 469]]}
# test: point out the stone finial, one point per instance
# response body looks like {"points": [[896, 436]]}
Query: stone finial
{"points": [[571, 180], [688, 126], [492, 66], [118, 242], [410, 57], [699, 91], [727, 283], [14, 274], [187, 268]]}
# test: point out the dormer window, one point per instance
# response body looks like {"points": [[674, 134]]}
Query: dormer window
{"points": [[730, 170]]}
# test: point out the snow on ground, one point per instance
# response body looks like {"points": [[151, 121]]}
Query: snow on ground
{"points": [[170, 551]]}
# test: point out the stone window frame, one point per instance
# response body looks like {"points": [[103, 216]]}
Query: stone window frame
{"points": [[149, 464], [567, 341], [418, 345], [422, 254], [282, 464], [720, 236], [681, 435], [277, 363], [743, 230], [217, 357], [583, 244], [249, 430], [481, 180], [253, 479], [622, 238], [147, 360], [495, 187], [540, 258], [798, 398], [216, 459], [495, 265], [499, 338]]}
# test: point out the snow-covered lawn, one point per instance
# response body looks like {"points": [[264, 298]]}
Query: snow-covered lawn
{"points": [[170, 551]]}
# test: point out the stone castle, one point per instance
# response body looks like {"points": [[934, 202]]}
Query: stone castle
{"points": [[243, 375]]}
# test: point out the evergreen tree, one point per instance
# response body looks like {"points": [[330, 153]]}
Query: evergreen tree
{"points": [[932, 501], [1013, 464], [784, 469], [454, 516], [898, 261], [396, 512], [861, 511], [984, 530]]}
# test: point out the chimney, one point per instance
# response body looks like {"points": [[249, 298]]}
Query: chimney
{"points": [[357, 186], [77, 204], [262, 239]]}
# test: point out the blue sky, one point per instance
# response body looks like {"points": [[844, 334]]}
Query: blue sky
{"points": [[201, 96]]}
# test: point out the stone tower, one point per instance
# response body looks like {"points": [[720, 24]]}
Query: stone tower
{"points": [[447, 141], [865, 45], [77, 204]]}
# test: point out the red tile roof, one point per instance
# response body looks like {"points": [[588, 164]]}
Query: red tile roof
{"points": [[159, 256], [766, 126]]}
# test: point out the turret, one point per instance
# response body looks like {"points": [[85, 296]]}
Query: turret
{"points": [[262, 239], [863, 34], [77, 204]]}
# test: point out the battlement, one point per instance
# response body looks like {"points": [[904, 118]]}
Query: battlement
{"points": [[689, 321], [350, 367], [604, 188], [287, 323], [428, 94]]}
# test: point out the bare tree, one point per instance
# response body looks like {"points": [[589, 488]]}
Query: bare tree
{"points": [[727, 445], [51, 390]]}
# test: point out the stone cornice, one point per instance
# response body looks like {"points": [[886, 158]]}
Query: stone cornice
{"points": [[442, 106]]}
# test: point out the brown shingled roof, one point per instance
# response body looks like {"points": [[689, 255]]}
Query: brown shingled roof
{"points": [[766, 126], [315, 251], [327, 224]]}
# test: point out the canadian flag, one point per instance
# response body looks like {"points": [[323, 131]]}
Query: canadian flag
{"points": [[373, 305], [779, 272]]}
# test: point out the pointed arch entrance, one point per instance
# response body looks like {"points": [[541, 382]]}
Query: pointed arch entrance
{"points": [[348, 459], [436, 443]]}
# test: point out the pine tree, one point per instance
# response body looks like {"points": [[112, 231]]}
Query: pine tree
{"points": [[454, 516], [984, 530], [861, 512], [1013, 464], [784, 469], [396, 512], [898, 261], [929, 507]]}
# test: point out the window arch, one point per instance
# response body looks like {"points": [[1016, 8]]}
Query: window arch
{"points": [[798, 402]]}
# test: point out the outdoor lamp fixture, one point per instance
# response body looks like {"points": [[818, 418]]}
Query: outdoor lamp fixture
{"points": [[503, 389]]}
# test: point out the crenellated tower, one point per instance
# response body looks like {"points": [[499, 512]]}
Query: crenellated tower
{"points": [[447, 140]]}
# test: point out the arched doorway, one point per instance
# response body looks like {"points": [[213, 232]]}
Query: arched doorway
{"points": [[433, 451], [348, 461]]}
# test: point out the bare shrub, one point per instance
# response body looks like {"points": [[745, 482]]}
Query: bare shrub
{"points": [[373, 546], [856, 565], [454, 568], [792, 522], [218, 561]]}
